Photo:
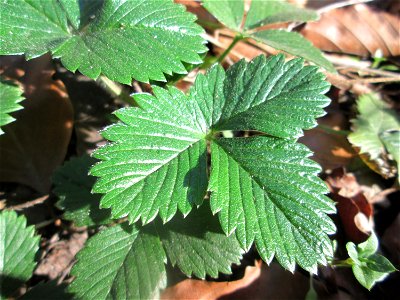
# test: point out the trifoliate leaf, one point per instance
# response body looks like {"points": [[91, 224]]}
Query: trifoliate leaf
{"points": [[121, 39], [120, 263], [10, 96], [197, 244], [267, 190], [376, 130], [262, 13], [157, 159], [18, 246], [72, 185], [368, 266]]}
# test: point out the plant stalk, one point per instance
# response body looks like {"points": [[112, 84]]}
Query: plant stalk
{"points": [[236, 39], [116, 90]]}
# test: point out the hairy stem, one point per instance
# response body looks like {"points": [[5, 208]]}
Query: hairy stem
{"points": [[236, 39]]}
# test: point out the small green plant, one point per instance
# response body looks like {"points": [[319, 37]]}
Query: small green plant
{"points": [[368, 266], [203, 199]]}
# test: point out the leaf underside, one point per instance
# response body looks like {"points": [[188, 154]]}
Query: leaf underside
{"points": [[10, 96], [18, 247], [264, 188], [122, 39], [261, 13]]}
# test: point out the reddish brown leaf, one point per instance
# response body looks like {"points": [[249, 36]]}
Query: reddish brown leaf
{"points": [[36, 144], [259, 282], [354, 210], [359, 29]]}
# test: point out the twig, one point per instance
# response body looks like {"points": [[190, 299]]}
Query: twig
{"points": [[375, 80], [345, 84], [28, 204], [44, 223], [373, 72], [341, 4]]}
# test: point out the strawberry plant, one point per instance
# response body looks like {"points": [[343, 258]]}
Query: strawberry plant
{"points": [[203, 199]]}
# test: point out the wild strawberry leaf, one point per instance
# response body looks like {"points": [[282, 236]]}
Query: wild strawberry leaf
{"points": [[10, 96], [157, 159], [261, 13], [18, 246], [127, 262], [72, 185], [122, 39], [120, 262]]}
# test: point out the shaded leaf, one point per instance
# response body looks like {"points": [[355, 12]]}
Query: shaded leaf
{"points": [[293, 43], [357, 29], [48, 291], [94, 39], [262, 13], [35, 146], [18, 247], [10, 96], [72, 185], [121, 263], [198, 246]]}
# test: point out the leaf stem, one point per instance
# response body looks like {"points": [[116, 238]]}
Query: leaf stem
{"points": [[236, 39], [342, 263], [116, 90]]}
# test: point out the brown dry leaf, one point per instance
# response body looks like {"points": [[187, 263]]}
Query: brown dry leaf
{"points": [[359, 29], [59, 255], [354, 210], [34, 146], [259, 282], [331, 150]]}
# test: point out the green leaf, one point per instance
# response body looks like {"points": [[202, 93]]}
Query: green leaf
{"points": [[368, 266], [120, 263], [271, 96], [48, 291], [374, 126], [72, 185], [261, 13], [367, 277], [121, 39], [266, 190], [10, 96], [18, 247], [230, 13], [125, 262], [369, 247], [157, 162], [293, 43], [270, 12], [157, 159], [197, 244]]}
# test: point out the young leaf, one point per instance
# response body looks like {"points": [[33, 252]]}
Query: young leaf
{"points": [[368, 266], [120, 39], [120, 263], [72, 185], [10, 96], [197, 245], [18, 246], [261, 13], [157, 161], [376, 129]]}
